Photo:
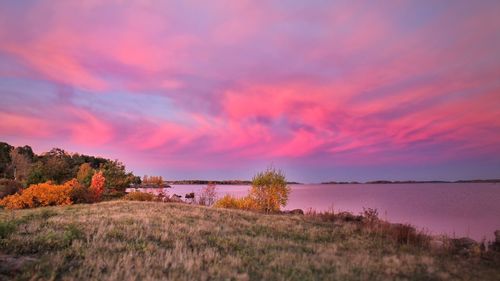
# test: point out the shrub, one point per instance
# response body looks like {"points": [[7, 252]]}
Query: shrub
{"points": [[230, 202], [80, 193], [208, 195], [97, 186], [38, 195], [247, 203], [370, 215], [406, 234], [269, 190], [268, 193], [227, 201], [9, 187], [139, 196], [6, 228]]}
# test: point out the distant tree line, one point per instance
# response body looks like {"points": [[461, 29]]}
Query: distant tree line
{"points": [[58, 166], [228, 182]]}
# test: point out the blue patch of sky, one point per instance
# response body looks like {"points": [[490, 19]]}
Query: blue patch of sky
{"points": [[16, 91], [121, 102]]}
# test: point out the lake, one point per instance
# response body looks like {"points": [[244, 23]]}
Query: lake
{"points": [[455, 209]]}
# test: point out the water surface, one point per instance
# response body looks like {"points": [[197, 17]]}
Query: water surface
{"points": [[455, 209]]}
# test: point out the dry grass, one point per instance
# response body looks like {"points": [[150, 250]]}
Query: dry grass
{"points": [[165, 241]]}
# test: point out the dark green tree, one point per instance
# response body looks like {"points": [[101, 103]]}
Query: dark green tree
{"points": [[5, 159], [116, 176]]}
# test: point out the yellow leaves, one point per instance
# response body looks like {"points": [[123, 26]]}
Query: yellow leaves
{"points": [[230, 202], [268, 193]]}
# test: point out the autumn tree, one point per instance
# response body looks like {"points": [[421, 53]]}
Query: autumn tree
{"points": [[269, 190], [85, 173], [152, 180], [97, 186]]}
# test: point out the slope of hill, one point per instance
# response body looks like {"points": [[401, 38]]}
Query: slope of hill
{"points": [[151, 241]]}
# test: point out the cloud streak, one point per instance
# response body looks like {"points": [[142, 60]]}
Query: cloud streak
{"points": [[191, 87]]}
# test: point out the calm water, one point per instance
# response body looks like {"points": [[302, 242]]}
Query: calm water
{"points": [[459, 210]]}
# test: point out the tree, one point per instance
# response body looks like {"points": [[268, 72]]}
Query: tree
{"points": [[152, 180], [208, 195], [85, 173], [26, 151], [116, 176], [36, 174], [20, 164], [5, 160], [9, 187], [56, 165], [97, 186], [269, 190]]}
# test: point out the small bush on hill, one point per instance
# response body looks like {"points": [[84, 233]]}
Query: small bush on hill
{"points": [[227, 201], [269, 190], [139, 196], [9, 187], [230, 202], [38, 195]]}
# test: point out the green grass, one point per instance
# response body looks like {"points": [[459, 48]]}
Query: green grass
{"points": [[157, 241]]}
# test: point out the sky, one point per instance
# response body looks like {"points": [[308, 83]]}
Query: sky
{"points": [[324, 90]]}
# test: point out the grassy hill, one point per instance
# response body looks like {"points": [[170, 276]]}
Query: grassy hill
{"points": [[150, 241]]}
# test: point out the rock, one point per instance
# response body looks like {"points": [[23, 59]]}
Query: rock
{"points": [[466, 246], [437, 243], [189, 195], [349, 217], [294, 212], [175, 198], [464, 242]]}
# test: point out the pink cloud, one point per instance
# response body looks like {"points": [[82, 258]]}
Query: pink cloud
{"points": [[18, 124], [248, 81]]}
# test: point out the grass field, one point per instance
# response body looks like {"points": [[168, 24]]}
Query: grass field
{"points": [[166, 241]]}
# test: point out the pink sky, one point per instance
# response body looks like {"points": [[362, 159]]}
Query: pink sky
{"points": [[328, 90]]}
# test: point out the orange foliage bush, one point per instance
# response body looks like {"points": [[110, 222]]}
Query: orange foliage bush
{"points": [[97, 186], [38, 195]]}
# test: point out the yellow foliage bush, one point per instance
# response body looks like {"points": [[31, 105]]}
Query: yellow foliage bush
{"points": [[268, 193], [38, 195], [230, 202]]}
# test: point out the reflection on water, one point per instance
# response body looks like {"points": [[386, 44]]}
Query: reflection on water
{"points": [[462, 209]]}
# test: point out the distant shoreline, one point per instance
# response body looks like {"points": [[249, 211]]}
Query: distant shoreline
{"points": [[410, 181], [217, 182], [247, 182]]}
